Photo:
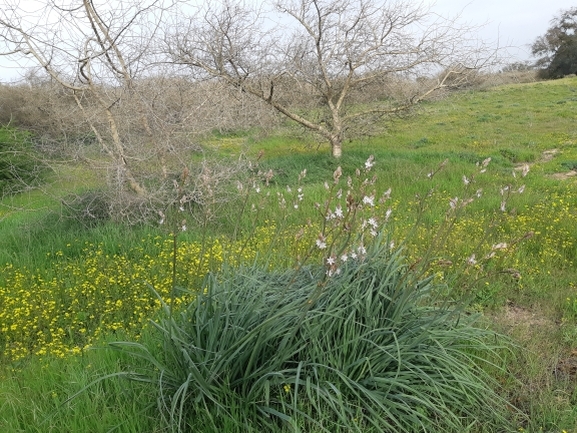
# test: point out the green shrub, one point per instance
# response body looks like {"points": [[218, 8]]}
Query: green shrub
{"points": [[19, 166], [363, 350], [89, 208]]}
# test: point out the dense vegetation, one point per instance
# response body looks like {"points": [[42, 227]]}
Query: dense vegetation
{"points": [[556, 49], [437, 260], [20, 165]]}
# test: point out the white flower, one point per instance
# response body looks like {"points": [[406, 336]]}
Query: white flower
{"points": [[321, 242], [466, 181], [344, 257], [288, 188], [388, 214], [387, 194], [472, 260], [331, 261], [521, 189], [373, 232], [479, 193], [281, 198], [369, 163], [502, 207], [181, 208], [330, 272], [373, 222], [257, 189], [337, 174], [362, 250], [370, 200], [525, 170], [353, 255], [486, 162], [339, 211], [453, 202]]}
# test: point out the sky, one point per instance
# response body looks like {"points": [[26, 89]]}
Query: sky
{"points": [[513, 23]]}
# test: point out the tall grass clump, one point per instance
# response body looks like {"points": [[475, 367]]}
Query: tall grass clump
{"points": [[355, 342], [364, 350]]}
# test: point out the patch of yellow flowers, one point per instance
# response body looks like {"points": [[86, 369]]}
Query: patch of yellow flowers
{"points": [[62, 310], [79, 299]]}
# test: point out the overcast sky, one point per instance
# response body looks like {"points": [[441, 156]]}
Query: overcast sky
{"points": [[512, 22]]}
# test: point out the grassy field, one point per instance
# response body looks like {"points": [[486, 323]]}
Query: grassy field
{"points": [[66, 290]]}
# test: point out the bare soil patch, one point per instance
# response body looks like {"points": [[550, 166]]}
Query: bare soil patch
{"points": [[547, 156], [566, 368], [564, 176], [514, 316], [523, 324]]}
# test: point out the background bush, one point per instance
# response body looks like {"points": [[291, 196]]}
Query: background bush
{"points": [[20, 167]]}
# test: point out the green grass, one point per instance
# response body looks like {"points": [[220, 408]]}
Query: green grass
{"points": [[513, 125], [39, 396]]}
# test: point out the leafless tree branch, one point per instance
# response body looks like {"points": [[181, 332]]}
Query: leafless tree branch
{"points": [[331, 49]]}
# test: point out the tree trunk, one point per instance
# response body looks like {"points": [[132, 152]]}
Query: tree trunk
{"points": [[134, 185], [336, 133], [336, 146]]}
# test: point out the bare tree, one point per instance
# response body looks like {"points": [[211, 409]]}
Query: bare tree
{"points": [[329, 50], [95, 51]]}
